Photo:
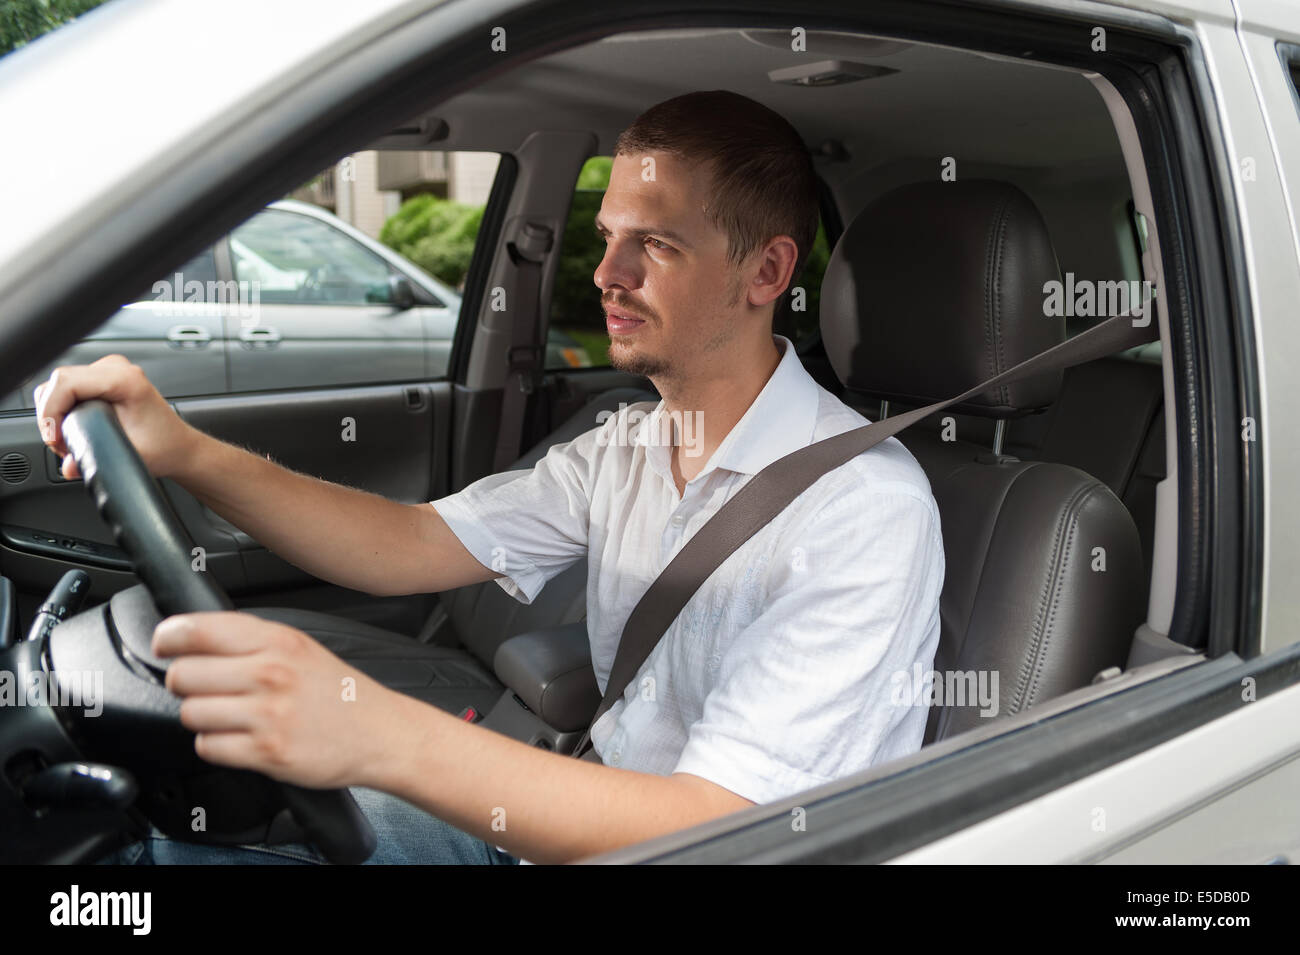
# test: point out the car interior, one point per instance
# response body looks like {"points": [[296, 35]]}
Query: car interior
{"points": [[955, 184]]}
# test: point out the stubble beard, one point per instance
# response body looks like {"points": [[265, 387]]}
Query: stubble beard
{"points": [[627, 358]]}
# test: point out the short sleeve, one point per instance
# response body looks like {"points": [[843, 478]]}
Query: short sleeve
{"points": [[528, 525], [808, 692]]}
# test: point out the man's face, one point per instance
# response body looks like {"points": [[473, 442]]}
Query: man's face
{"points": [[672, 300]]}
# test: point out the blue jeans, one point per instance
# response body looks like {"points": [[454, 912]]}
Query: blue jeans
{"points": [[407, 835]]}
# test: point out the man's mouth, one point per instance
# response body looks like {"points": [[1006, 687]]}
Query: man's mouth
{"points": [[621, 323]]}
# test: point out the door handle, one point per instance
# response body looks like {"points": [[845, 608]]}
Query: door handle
{"points": [[259, 336], [188, 336]]}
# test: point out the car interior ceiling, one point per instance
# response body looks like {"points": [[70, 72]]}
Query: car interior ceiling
{"points": [[1043, 130]]}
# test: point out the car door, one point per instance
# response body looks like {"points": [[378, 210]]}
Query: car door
{"points": [[175, 332], [279, 339], [323, 313], [335, 372]]}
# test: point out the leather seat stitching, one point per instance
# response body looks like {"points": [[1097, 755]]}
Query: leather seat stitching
{"points": [[992, 304], [1031, 667]]}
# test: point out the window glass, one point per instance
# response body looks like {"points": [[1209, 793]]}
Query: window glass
{"points": [[797, 314], [298, 260], [195, 281], [1293, 70], [577, 324]]}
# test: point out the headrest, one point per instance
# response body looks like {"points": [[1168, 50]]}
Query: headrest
{"points": [[937, 286]]}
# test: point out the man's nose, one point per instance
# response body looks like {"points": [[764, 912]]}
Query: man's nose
{"points": [[617, 268]]}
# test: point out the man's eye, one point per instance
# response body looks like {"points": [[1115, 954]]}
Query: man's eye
{"points": [[661, 246]]}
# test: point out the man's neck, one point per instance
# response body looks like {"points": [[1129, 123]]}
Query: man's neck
{"points": [[709, 406]]}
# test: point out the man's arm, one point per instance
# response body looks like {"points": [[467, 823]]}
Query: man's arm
{"points": [[339, 534], [264, 696]]}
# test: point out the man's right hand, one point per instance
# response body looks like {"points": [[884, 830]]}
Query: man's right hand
{"points": [[164, 441]]}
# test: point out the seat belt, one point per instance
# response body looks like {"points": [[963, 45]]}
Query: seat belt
{"points": [[772, 489], [527, 355]]}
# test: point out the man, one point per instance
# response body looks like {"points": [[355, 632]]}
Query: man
{"points": [[775, 678]]}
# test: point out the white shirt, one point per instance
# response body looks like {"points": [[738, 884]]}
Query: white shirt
{"points": [[780, 673]]}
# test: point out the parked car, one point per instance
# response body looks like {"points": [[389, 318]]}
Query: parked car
{"points": [[1159, 140], [293, 298]]}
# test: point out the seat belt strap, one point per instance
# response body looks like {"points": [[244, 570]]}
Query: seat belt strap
{"points": [[527, 355], [775, 487]]}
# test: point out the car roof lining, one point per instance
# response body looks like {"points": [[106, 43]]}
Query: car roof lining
{"points": [[1056, 118], [1056, 140]]}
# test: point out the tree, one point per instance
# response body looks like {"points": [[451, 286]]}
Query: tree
{"points": [[436, 234], [22, 21]]}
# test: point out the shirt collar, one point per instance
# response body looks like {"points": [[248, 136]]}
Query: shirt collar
{"points": [[780, 420]]}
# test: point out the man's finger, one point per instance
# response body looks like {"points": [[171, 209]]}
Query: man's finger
{"points": [[69, 385], [233, 749], [219, 714], [218, 633], [206, 675]]}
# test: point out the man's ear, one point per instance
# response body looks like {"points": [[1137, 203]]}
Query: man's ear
{"points": [[775, 270]]}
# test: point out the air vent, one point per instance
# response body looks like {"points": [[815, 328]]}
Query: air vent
{"points": [[14, 468]]}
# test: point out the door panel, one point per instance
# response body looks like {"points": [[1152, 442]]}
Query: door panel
{"points": [[388, 439]]}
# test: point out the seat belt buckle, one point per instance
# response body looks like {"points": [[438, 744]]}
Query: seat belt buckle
{"points": [[469, 715]]}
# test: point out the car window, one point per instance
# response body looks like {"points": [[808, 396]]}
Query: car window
{"points": [[577, 324], [798, 316], [195, 281], [172, 329], [1291, 59], [297, 260]]}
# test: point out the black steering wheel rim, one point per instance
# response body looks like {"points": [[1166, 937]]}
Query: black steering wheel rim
{"points": [[160, 550], [142, 520]]}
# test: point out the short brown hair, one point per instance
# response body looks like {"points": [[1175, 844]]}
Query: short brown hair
{"points": [[763, 179]]}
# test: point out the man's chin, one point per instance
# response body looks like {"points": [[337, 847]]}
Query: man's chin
{"points": [[630, 359]]}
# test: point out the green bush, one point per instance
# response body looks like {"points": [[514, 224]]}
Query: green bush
{"points": [[436, 234], [575, 304], [22, 21], [576, 301]]}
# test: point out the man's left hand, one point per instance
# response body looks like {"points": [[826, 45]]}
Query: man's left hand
{"points": [[267, 697]]}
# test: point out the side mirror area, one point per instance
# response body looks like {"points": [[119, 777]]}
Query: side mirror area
{"points": [[400, 294]]}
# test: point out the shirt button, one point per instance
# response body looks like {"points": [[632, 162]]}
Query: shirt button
{"points": [[678, 520], [615, 756]]}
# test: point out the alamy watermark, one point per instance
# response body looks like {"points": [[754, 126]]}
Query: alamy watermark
{"points": [[1084, 298], [685, 428], [216, 298], [922, 687], [68, 688]]}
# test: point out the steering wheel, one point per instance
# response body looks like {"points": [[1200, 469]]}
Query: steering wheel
{"points": [[159, 548]]}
